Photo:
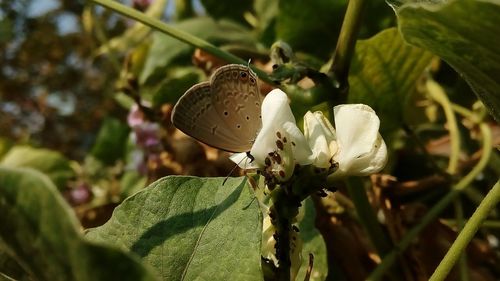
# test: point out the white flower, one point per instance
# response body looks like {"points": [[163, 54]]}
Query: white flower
{"points": [[321, 137], [356, 145], [280, 144]]}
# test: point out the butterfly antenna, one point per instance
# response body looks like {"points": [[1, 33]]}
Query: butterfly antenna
{"points": [[232, 170], [248, 63]]}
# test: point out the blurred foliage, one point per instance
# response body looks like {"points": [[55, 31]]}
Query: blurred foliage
{"points": [[49, 162], [36, 220]]}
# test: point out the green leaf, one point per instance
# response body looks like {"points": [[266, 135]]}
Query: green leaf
{"points": [[111, 141], [226, 9], [191, 228], [9, 267], [384, 73], [465, 34], [266, 12], [310, 27], [165, 49], [314, 244], [51, 163], [41, 233], [172, 88]]}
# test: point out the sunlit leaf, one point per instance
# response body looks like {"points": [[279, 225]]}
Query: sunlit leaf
{"points": [[190, 228], [465, 34], [384, 73], [41, 233]]}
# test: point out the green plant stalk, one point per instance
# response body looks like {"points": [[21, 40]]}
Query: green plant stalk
{"points": [[464, 237], [389, 260], [367, 216], [459, 213], [281, 213], [346, 43], [437, 93], [178, 34], [486, 223]]}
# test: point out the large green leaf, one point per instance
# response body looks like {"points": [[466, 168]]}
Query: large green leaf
{"points": [[165, 48], [384, 73], [190, 228], [49, 162], [40, 232], [465, 34]]}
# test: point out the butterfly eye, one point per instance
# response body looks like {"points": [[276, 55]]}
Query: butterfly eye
{"points": [[243, 76]]}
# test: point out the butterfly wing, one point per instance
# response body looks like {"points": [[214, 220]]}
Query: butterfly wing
{"points": [[195, 115], [236, 97]]}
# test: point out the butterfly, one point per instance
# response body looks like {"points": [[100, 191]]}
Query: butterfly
{"points": [[224, 112]]}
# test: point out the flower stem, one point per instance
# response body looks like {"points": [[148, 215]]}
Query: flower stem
{"points": [[459, 214], [283, 211], [346, 43], [388, 260], [463, 239], [178, 34], [437, 93]]}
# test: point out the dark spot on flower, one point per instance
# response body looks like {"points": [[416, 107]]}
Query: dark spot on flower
{"points": [[284, 139], [277, 158], [267, 161], [282, 173], [293, 143], [226, 113], [279, 144], [278, 134], [295, 228]]}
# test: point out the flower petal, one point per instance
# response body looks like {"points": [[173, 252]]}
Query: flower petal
{"points": [[275, 113], [357, 128], [362, 150], [301, 150], [321, 137]]}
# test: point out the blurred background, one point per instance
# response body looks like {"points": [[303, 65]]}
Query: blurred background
{"points": [[86, 96]]}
